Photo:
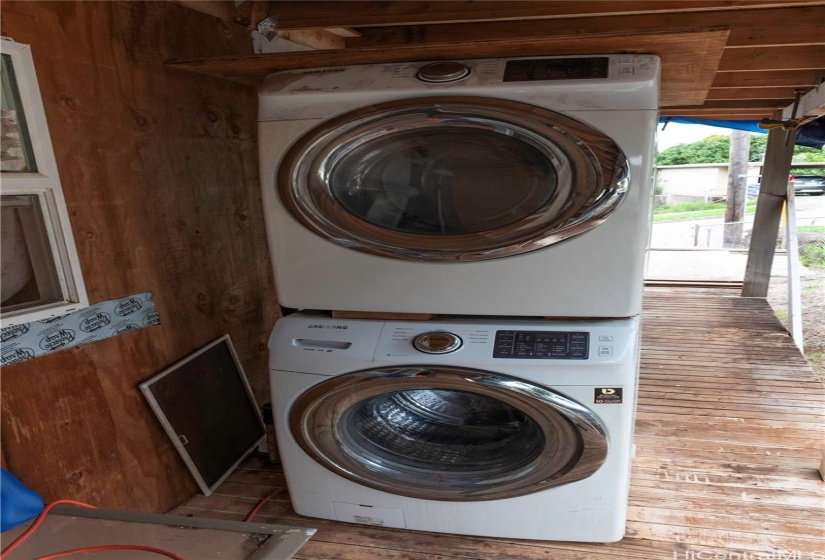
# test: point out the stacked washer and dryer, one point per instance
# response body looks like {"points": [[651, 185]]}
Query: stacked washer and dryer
{"points": [[507, 200]]}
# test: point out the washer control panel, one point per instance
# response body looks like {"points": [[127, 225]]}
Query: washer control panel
{"points": [[437, 342], [533, 345]]}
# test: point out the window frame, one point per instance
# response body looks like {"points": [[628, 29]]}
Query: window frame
{"points": [[45, 184]]}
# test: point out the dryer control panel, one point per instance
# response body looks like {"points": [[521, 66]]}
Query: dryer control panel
{"points": [[532, 345]]}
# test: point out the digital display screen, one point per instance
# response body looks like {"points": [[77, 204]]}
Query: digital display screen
{"points": [[546, 69]]}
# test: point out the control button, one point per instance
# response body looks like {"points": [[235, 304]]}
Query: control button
{"points": [[437, 342], [605, 350], [625, 70], [443, 72], [604, 338]]}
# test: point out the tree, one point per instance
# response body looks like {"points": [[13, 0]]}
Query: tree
{"points": [[713, 149], [716, 149]]}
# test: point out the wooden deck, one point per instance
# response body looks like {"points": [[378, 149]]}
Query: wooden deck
{"points": [[729, 436]]}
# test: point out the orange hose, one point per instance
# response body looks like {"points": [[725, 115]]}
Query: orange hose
{"points": [[260, 504], [166, 553], [37, 521]]}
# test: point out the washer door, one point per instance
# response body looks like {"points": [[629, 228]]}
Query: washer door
{"points": [[444, 433], [452, 178]]}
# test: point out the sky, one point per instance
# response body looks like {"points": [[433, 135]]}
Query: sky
{"points": [[678, 133]]}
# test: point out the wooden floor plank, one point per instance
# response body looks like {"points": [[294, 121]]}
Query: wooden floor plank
{"points": [[729, 434]]}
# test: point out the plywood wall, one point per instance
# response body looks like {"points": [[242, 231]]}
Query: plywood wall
{"points": [[160, 172]]}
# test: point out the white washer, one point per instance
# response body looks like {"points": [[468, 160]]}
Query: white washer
{"points": [[480, 187], [493, 428]]}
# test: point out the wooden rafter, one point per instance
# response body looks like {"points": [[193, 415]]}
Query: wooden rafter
{"points": [[748, 28], [758, 79], [300, 15]]}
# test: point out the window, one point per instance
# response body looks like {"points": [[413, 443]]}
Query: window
{"points": [[41, 275]]}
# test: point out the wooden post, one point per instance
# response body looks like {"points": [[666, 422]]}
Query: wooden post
{"points": [[794, 285], [769, 205]]}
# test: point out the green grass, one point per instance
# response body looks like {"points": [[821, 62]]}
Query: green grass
{"points": [[812, 255], [812, 229], [817, 362], [691, 206], [694, 210]]}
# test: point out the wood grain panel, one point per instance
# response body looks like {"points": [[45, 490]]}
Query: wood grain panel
{"points": [[738, 483], [753, 93], [783, 78], [297, 15], [748, 28], [159, 169], [689, 59], [808, 57]]}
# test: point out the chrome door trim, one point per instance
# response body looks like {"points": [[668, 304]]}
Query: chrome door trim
{"points": [[593, 177], [314, 417]]}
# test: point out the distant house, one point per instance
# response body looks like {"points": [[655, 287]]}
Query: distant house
{"points": [[700, 181]]}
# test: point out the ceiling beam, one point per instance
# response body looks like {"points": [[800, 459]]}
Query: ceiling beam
{"points": [[810, 57], [773, 27], [752, 93], [745, 114], [760, 104], [791, 78], [300, 15]]}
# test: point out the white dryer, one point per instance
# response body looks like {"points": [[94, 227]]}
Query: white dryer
{"points": [[482, 187], [493, 428]]}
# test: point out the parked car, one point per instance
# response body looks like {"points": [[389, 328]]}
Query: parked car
{"points": [[808, 184]]}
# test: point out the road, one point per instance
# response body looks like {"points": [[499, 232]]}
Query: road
{"points": [[708, 232]]}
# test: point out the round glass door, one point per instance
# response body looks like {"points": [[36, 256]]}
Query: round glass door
{"points": [[447, 433], [452, 179]]}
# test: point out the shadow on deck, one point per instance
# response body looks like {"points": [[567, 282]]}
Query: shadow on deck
{"points": [[729, 436]]}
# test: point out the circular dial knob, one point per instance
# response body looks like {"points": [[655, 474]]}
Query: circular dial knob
{"points": [[443, 72], [437, 342]]}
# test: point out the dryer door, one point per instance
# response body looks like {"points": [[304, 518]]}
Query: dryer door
{"points": [[452, 178], [444, 433]]}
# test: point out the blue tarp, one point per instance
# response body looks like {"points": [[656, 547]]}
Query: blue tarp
{"points": [[811, 134]]}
